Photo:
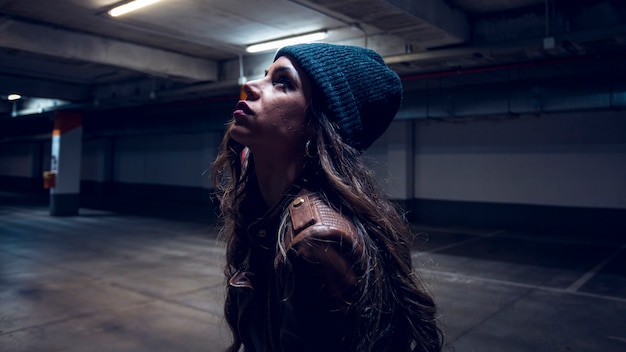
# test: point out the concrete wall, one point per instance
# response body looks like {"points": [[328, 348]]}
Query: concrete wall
{"points": [[506, 171], [168, 159], [573, 159], [17, 159], [524, 172]]}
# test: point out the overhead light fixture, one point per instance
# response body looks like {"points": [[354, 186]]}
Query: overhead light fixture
{"points": [[130, 6], [279, 43], [14, 97]]}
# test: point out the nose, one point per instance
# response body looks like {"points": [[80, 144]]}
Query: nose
{"points": [[251, 89]]}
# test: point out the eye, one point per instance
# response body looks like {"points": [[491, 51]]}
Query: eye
{"points": [[283, 82]]}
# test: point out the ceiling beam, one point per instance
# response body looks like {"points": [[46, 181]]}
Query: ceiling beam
{"points": [[65, 44], [423, 24], [31, 87], [446, 25]]}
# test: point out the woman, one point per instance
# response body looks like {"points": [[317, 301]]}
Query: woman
{"points": [[317, 258]]}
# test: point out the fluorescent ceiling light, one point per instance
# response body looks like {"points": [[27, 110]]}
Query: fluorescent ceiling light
{"points": [[14, 97], [130, 6], [279, 43]]}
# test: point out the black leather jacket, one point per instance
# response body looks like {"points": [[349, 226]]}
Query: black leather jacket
{"points": [[297, 299]]}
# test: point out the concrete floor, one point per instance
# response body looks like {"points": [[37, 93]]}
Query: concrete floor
{"points": [[152, 281]]}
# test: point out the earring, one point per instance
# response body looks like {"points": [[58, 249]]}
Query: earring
{"points": [[306, 149]]}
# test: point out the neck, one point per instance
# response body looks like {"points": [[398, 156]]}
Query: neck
{"points": [[274, 175]]}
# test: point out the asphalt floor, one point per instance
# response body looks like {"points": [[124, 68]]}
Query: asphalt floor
{"points": [[151, 280]]}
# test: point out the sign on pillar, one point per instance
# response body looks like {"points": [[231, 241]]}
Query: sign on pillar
{"points": [[64, 175]]}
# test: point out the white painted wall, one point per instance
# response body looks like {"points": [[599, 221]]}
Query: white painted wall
{"points": [[176, 159], [391, 159], [96, 160], [562, 160], [573, 159], [17, 159]]}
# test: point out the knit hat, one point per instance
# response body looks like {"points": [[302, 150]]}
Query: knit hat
{"points": [[361, 94]]}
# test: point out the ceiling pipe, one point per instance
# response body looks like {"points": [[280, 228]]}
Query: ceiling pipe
{"points": [[521, 45]]}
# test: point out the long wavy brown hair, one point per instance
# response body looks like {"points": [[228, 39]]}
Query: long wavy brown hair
{"points": [[392, 310]]}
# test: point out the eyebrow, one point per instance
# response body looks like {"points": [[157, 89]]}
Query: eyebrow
{"points": [[283, 69], [292, 72]]}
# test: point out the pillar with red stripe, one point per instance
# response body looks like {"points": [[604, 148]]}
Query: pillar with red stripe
{"points": [[67, 138]]}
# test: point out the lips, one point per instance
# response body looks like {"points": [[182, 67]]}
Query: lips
{"points": [[243, 108]]}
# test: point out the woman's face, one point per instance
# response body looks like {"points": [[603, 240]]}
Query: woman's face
{"points": [[272, 120]]}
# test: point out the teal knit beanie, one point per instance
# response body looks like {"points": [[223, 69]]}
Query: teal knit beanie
{"points": [[361, 94]]}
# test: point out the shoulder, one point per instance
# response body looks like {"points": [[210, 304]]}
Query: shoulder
{"points": [[315, 223], [322, 246]]}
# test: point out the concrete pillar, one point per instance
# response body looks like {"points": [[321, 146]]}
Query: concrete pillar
{"points": [[67, 138], [399, 150], [400, 157]]}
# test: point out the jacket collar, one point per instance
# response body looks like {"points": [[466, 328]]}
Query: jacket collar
{"points": [[264, 221]]}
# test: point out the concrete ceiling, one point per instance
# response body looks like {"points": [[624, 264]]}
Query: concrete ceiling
{"points": [[74, 51]]}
